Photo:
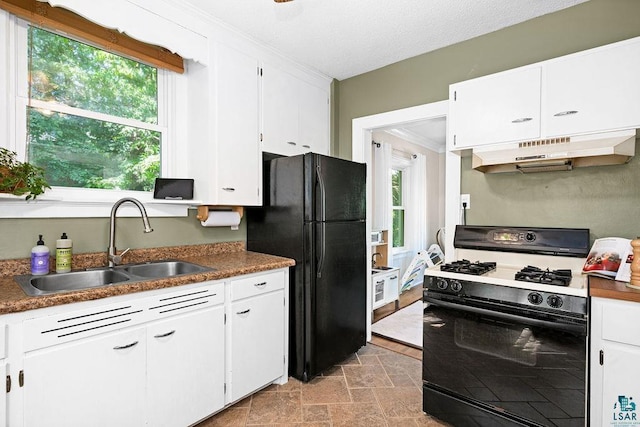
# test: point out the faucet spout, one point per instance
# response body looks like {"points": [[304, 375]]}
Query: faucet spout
{"points": [[115, 259]]}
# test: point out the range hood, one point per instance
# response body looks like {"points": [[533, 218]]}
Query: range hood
{"points": [[555, 154]]}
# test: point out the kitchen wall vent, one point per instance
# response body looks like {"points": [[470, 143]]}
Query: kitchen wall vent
{"points": [[555, 154]]}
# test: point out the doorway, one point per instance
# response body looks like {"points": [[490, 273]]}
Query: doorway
{"points": [[395, 122]]}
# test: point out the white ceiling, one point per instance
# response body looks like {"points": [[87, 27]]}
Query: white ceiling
{"points": [[344, 38]]}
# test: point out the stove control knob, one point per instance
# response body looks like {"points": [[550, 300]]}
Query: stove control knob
{"points": [[442, 284], [530, 236], [554, 301], [456, 286], [535, 298]]}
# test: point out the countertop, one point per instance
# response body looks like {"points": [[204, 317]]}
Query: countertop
{"points": [[604, 288], [229, 259]]}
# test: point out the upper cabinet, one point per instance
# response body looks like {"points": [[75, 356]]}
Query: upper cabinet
{"points": [[223, 149], [588, 92], [295, 113], [498, 108], [592, 91]]}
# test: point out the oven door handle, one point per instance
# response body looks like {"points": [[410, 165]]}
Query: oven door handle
{"points": [[580, 330]]}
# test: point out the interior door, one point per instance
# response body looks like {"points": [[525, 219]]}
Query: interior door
{"points": [[338, 292]]}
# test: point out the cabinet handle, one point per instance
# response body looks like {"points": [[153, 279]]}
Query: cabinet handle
{"points": [[244, 312], [380, 282], [393, 277], [259, 285], [291, 143], [165, 335], [307, 146], [522, 120], [8, 383], [601, 357], [230, 189], [123, 347], [565, 113]]}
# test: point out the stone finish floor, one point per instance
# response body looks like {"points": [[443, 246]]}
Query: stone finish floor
{"points": [[374, 388]]}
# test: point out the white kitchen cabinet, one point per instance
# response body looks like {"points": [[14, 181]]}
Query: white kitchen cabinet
{"points": [[257, 325], [615, 352], [593, 91], [587, 92], [498, 108], [225, 158], [295, 114], [98, 381], [4, 375], [185, 373], [385, 287]]}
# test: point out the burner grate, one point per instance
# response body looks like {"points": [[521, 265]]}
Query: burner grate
{"points": [[547, 277], [467, 267]]}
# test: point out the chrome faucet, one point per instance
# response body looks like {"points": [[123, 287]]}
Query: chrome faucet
{"points": [[373, 259], [117, 259]]}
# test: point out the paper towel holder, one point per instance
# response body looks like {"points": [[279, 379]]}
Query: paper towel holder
{"points": [[203, 210]]}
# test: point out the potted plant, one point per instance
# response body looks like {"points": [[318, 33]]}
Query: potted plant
{"points": [[20, 179]]}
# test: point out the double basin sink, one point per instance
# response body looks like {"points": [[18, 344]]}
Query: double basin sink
{"points": [[97, 277]]}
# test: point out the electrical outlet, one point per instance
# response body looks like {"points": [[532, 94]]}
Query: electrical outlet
{"points": [[465, 198]]}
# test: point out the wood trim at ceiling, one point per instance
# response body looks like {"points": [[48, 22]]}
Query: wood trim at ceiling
{"points": [[55, 18]]}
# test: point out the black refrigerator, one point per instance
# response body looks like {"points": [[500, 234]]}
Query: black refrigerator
{"points": [[314, 212]]}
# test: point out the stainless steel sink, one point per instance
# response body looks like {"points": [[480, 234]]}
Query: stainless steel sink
{"points": [[382, 268], [93, 278], [54, 283], [160, 269]]}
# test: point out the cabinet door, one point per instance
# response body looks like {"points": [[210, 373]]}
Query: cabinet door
{"points": [[620, 387], [185, 368], [3, 393], [95, 381], [257, 342], [592, 92], [313, 113], [378, 290], [238, 165], [494, 109], [279, 112]]}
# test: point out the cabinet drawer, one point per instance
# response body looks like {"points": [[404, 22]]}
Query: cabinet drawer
{"points": [[256, 285], [185, 300], [621, 322]]}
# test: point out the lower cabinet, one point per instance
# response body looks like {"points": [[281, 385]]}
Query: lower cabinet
{"points": [[168, 357], [185, 373], [384, 288], [96, 381], [257, 339], [615, 352]]}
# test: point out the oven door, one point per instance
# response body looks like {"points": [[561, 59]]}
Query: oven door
{"points": [[482, 367]]}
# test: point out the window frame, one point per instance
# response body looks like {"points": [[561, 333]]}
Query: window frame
{"points": [[57, 201]]}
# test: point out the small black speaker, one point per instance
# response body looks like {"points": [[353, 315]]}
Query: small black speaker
{"points": [[173, 189]]}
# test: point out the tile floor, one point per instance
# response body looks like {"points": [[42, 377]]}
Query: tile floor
{"points": [[375, 387]]}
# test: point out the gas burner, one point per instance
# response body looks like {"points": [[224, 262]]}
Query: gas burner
{"points": [[538, 275], [467, 267]]}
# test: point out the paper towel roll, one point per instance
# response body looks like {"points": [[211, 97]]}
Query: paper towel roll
{"points": [[222, 219]]}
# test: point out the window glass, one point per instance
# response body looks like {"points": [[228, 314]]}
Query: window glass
{"points": [[93, 117], [398, 208]]}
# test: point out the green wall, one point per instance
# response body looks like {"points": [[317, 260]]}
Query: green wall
{"points": [[605, 199], [18, 236]]}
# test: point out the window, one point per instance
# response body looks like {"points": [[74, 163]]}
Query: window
{"points": [[397, 200], [92, 117]]}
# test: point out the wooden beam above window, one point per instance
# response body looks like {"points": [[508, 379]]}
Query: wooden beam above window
{"points": [[58, 19]]}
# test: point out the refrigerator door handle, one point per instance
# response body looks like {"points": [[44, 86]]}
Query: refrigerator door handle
{"points": [[320, 265], [323, 204]]}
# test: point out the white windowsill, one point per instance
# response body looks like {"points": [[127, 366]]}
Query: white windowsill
{"points": [[58, 206]]}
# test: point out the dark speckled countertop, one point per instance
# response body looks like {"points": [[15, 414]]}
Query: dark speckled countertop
{"points": [[229, 259]]}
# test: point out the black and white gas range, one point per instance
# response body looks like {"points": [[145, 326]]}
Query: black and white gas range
{"points": [[505, 329]]}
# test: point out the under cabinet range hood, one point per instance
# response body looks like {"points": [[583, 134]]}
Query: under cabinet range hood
{"points": [[556, 154]]}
